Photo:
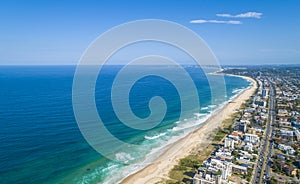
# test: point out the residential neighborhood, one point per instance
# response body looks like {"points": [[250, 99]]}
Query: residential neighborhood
{"points": [[263, 144]]}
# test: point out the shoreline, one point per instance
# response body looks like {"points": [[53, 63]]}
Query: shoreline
{"points": [[196, 140]]}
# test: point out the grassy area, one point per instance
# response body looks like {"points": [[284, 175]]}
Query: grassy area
{"points": [[219, 135], [246, 177], [185, 169]]}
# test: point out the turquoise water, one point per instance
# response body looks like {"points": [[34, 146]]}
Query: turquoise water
{"points": [[40, 141]]}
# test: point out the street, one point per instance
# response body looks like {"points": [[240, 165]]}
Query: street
{"points": [[262, 170]]}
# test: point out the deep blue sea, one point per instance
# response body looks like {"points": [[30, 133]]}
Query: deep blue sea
{"points": [[40, 141]]}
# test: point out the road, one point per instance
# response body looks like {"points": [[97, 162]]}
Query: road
{"points": [[272, 116], [267, 172], [262, 169]]}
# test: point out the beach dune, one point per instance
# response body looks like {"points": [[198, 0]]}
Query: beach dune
{"points": [[198, 139]]}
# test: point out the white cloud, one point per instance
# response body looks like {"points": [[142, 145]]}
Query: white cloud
{"points": [[280, 50], [201, 21], [242, 15]]}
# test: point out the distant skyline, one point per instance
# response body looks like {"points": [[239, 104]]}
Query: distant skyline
{"points": [[238, 32]]}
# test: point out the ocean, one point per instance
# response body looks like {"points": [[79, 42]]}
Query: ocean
{"points": [[40, 141]]}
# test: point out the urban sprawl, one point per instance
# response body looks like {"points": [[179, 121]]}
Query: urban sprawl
{"points": [[263, 143]]}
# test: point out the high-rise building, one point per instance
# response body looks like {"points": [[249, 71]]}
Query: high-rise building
{"points": [[264, 93]]}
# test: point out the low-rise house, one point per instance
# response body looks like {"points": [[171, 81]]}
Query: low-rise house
{"points": [[294, 172], [296, 124], [263, 115], [289, 170], [246, 116], [248, 147], [261, 103], [286, 134], [287, 149], [285, 123], [252, 138], [258, 120], [258, 129], [283, 118], [243, 160], [252, 131], [235, 135], [294, 113], [281, 157], [229, 142], [249, 110], [206, 177], [237, 169], [247, 155], [297, 134], [282, 112], [223, 154]]}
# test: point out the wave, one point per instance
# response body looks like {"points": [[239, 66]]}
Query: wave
{"points": [[180, 128], [153, 149], [89, 178], [238, 93], [193, 122], [177, 122], [212, 106], [234, 91], [150, 150], [155, 136], [197, 115], [123, 157]]}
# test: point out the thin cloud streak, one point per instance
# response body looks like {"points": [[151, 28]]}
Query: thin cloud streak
{"points": [[281, 50], [201, 21], [256, 15]]}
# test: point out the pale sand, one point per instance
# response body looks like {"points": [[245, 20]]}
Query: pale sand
{"points": [[197, 140]]}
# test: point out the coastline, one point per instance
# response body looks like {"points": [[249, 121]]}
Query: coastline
{"points": [[196, 140]]}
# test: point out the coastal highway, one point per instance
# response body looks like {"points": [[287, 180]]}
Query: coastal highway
{"points": [[262, 169], [267, 174], [272, 116]]}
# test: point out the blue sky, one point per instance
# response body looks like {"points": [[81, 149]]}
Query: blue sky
{"points": [[58, 32]]}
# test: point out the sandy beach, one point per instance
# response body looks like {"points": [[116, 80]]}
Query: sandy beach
{"points": [[197, 140]]}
